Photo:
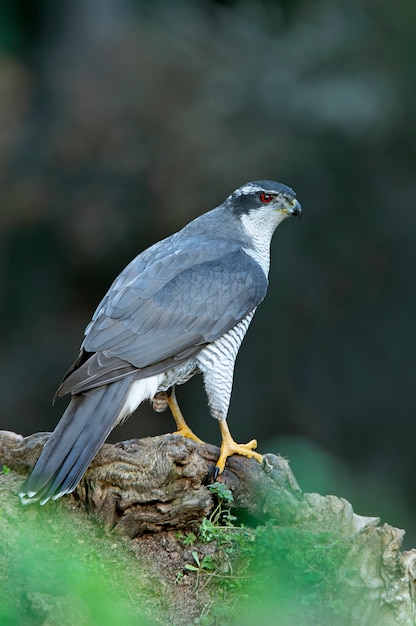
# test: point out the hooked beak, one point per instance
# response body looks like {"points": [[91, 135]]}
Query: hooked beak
{"points": [[293, 208]]}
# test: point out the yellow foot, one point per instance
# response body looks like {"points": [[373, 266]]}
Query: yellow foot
{"points": [[230, 447], [182, 426], [185, 431]]}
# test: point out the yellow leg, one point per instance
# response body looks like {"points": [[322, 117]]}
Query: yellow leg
{"points": [[229, 447], [182, 426]]}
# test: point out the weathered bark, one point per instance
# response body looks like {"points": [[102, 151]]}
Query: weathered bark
{"points": [[159, 483]]}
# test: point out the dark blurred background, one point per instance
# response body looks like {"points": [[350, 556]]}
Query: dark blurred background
{"points": [[120, 121]]}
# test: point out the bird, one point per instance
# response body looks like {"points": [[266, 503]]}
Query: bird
{"points": [[179, 308]]}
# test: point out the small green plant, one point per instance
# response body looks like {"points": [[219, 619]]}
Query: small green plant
{"points": [[221, 515], [222, 492], [179, 578], [189, 539], [206, 564], [207, 531], [5, 470]]}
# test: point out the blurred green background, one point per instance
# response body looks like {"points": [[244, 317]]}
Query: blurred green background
{"points": [[120, 121]]}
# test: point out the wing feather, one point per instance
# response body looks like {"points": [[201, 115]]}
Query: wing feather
{"points": [[165, 306]]}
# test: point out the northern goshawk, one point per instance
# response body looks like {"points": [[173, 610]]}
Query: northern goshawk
{"points": [[180, 307]]}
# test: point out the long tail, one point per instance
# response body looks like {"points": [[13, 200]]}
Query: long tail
{"points": [[83, 428]]}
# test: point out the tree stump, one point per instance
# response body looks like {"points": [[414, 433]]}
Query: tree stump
{"points": [[157, 484]]}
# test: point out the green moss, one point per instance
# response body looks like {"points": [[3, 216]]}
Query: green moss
{"points": [[58, 567], [271, 574], [292, 573], [275, 575]]}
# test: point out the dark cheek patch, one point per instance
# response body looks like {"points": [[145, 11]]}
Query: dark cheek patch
{"points": [[245, 203]]}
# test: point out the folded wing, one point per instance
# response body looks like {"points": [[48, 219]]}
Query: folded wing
{"points": [[164, 307]]}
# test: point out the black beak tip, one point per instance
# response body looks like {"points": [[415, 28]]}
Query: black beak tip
{"points": [[297, 210]]}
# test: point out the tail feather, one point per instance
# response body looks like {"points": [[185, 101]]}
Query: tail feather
{"points": [[101, 422], [83, 428]]}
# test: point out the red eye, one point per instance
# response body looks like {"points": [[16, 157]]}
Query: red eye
{"points": [[266, 197]]}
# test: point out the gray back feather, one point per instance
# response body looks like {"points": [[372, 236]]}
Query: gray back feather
{"points": [[170, 301]]}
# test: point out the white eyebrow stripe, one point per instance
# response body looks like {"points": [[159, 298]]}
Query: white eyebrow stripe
{"points": [[247, 189]]}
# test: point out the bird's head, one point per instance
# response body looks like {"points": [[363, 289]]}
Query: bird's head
{"points": [[260, 207], [266, 199]]}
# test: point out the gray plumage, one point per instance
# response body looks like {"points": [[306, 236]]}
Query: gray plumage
{"points": [[174, 306], [180, 307]]}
